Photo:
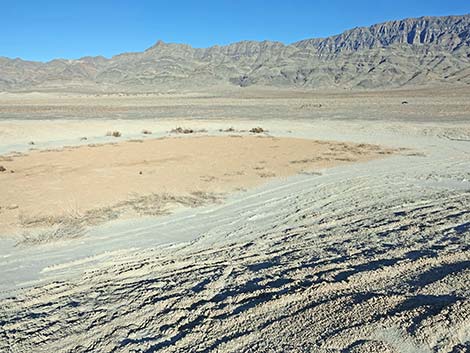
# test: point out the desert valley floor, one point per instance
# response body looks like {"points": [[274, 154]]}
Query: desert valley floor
{"points": [[342, 225]]}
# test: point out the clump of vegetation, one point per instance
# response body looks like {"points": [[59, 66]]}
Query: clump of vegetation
{"points": [[71, 225], [66, 229], [146, 132], [257, 130], [83, 138], [2, 168], [180, 130], [113, 133], [230, 129], [266, 175]]}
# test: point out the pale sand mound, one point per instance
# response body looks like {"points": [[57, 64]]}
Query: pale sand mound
{"points": [[42, 187]]}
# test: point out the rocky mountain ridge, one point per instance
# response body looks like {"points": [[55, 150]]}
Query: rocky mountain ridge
{"points": [[422, 51]]}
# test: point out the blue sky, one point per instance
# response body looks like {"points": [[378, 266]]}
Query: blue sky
{"points": [[43, 30]]}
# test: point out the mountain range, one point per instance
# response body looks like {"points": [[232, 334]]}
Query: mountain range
{"points": [[409, 52]]}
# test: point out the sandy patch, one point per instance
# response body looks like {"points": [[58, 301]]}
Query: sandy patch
{"points": [[101, 182]]}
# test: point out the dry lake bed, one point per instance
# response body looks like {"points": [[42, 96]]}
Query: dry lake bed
{"points": [[222, 221]]}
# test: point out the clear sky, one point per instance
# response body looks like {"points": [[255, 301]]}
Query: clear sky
{"points": [[47, 29]]}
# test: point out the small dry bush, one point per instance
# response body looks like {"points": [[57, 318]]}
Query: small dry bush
{"points": [[146, 132], [257, 130], [180, 130], [113, 133]]}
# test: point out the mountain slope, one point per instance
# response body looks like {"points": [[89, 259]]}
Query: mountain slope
{"points": [[445, 33], [427, 50]]}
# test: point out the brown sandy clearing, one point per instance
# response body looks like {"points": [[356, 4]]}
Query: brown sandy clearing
{"points": [[52, 183]]}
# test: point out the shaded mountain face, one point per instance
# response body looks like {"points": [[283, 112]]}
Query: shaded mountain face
{"points": [[423, 51]]}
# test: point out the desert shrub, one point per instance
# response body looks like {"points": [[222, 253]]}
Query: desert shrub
{"points": [[146, 132], [180, 130], [257, 130], [113, 133]]}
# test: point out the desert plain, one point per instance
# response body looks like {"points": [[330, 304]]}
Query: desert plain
{"points": [[227, 220]]}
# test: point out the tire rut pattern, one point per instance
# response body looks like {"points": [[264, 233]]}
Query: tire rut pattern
{"points": [[390, 267]]}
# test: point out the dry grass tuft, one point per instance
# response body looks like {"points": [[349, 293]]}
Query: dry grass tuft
{"points": [[266, 175], [309, 160], [161, 204], [230, 129], [113, 133], [73, 225], [70, 227]]}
